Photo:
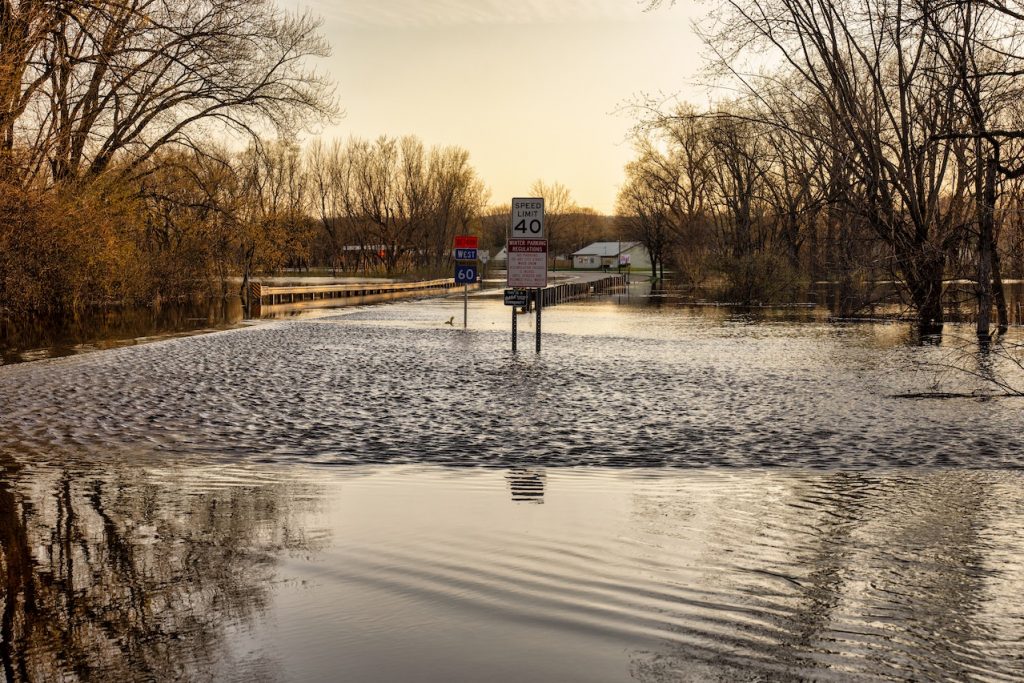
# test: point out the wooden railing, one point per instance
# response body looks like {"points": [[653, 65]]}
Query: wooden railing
{"points": [[556, 294], [264, 296]]}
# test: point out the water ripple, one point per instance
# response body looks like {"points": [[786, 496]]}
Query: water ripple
{"points": [[343, 389], [756, 575]]}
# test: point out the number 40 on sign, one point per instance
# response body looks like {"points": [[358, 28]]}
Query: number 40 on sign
{"points": [[528, 218]]}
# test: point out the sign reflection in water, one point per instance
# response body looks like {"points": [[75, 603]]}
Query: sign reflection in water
{"points": [[526, 484]]}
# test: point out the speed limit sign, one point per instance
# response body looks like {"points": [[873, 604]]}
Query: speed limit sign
{"points": [[528, 218]]}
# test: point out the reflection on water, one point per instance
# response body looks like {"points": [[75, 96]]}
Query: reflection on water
{"points": [[882, 300], [33, 339], [428, 574], [724, 497], [137, 574], [527, 485], [892, 576]]}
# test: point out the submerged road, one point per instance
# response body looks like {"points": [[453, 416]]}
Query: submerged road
{"points": [[372, 495]]}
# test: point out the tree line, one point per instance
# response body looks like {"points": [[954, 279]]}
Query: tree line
{"points": [[147, 151], [869, 140], [108, 113]]}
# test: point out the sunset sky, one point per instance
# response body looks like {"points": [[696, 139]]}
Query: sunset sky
{"points": [[533, 89]]}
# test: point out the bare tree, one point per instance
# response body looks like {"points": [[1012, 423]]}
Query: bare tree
{"points": [[980, 47], [107, 107], [272, 218], [873, 65], [558, 210], [455, 198], [400, 201], [644, 213], [87, 81], [327, 174]]}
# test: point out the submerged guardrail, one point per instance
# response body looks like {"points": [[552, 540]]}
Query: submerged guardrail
{"points": [[267, 299], [556, 294]]}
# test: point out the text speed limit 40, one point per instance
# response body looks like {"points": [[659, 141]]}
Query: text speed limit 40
{"points": [[528, 218]]}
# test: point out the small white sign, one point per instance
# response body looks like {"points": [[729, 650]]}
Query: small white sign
{"points": [[484, 256], [528, 218]]}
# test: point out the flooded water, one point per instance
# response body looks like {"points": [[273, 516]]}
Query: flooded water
{"points": [[27, 340], [665, 493]]}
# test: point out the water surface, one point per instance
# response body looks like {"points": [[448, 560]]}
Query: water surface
{"points": [[662, 494], [419, 573], [615, 385]]}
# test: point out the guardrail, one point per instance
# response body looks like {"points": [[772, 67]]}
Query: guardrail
{"points": [[266, 298], [556, 294]]}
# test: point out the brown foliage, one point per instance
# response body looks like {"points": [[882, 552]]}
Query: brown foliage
{"points": [[109, 192], [68, 249]]}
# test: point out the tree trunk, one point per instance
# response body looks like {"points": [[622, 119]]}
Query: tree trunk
{"points": [[247, 269], [985, 197], [925, 285], [1002, 312]]}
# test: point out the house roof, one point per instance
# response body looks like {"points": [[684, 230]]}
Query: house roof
{"points": [[605, 249]]}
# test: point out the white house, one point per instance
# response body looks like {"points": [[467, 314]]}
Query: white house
{"points": [[611, 255]]}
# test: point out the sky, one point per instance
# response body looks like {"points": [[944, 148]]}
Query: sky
{"points": [[533, 89]]}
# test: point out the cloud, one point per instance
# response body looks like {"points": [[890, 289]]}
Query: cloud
{"points": [[435, 13]]}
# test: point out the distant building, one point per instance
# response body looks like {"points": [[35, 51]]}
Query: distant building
{"points": [[610, 254]]}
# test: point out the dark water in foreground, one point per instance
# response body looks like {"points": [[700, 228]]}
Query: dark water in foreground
{"points": [[663, 494]]}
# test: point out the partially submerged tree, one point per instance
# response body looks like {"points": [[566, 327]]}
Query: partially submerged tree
{"points": [[874, 69], [644, 216]]}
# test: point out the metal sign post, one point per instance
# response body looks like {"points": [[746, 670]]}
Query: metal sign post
{"points": [[516, 298], [539, 306], [465, 250], [515, 331]]}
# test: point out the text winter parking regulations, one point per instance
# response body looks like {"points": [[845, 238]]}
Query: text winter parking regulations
{"points": [[527, 263], [527, 244]]}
